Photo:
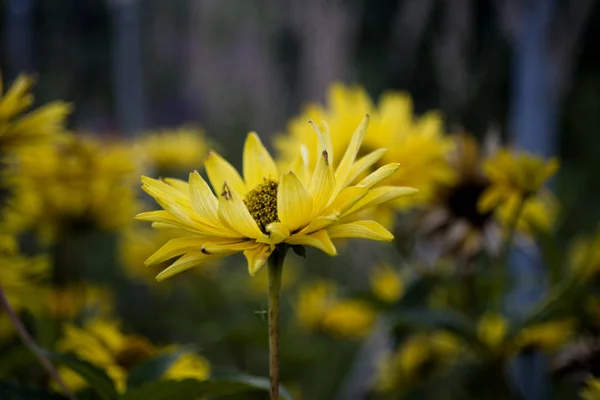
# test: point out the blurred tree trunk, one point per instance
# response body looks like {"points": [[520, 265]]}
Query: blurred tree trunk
{"points": [[18, 36], [127, 65]]}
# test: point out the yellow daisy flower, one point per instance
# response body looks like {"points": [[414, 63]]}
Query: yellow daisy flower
{"points": [[517, 180], [173, 150], [38, 126], [102, 343], [265, 208], [386, 283]]}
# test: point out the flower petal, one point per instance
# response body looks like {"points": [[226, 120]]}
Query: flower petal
{"points": [[258, 163], [347, 198], [378, 175], [345, 165], [360, 229], [492, 198], [190, 260], [364, 163], [226, 248], [278, 232], [257, 256], [319, 239], [220, 171], [203, 201], [234, 214], [380, 195], [322, 184], [294, 204], [175, 247]]}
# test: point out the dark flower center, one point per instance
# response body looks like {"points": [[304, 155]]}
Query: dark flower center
{"points": [[262, 204], [462, 202]]}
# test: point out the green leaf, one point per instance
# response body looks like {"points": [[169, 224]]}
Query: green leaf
{"points": [[299, 250], [93, 375], [14, 391], [155, 368], [216, 387]]}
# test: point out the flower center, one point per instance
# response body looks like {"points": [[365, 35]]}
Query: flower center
{"points": [[463, 199], [262, 204]]}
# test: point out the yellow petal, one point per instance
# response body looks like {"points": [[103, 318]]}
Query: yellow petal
{"points": [[294, 205], [203, 201], [322, 184], [278, 232], [360, 229], [175, 247], [324, 139], [343, 169], [378, 175], [320, 223], [226, 248], [178, 184], [319, 239], [190, 260], [347, 198], [492, 198], [234, 214], [257, 256], [220, 171], [155, 187], [364, 163], [378, 196], [258, 163], [166, 218]]}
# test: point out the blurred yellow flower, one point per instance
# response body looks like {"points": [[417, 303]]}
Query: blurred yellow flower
{"points": [[81, 183], [418, 144], [180, 149], [418, 355], [491, 330], [591, 391], [254, 214], [22, 279], [585, 257], [517, 180], [547, 336], [386, 283], [318, 307], [41, 125], [69, 301], [102, 343]]}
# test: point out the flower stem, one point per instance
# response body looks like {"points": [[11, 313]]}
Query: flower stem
{"points": [[31, 345], [275, 270], [502, 266]]}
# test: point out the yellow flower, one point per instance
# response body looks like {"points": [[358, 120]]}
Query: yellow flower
{"points": [[417, 143], [585, 257], [79, 184], [491, 330], [174, 150], [591, 390], [419, 354], [254, 214], [319, 308], [68, 302], [516, 178], [547, 336], [102, 343], [22, 278], [38, 126], [386, 284]]}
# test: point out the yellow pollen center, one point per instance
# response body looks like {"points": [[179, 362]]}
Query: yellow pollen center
{"points": [[262, 204]]}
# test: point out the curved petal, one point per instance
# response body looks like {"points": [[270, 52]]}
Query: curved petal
{"points": [[360, 229], [257, 256], [322, 184], [378, 175], [364, 163], [258, 163], [319, 239], [175, 247], [319, 223], [278, 232], [347, 198], [492, 198], [380, 195], [345, 165], [220, 171], [234, 214], [225, 248], [294, 204], [178, 184], [190, 260], [203, 201]]}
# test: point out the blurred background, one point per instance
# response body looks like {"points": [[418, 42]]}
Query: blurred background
{"points": [[528, 70]]}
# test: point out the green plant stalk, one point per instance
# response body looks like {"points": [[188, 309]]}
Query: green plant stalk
{"points": [[502, 265], [275, 270], [31, 345]]}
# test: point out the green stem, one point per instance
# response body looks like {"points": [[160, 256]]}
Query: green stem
{"points": [[502, 265], [275, 270], [31, 345]]}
